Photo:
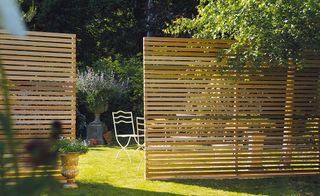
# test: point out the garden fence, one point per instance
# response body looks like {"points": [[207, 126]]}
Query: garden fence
{"points": [[41, 71], [205, 120]]}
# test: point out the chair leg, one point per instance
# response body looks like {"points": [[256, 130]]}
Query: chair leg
{"points": [[141, 157], [124, 148], [140, 163], [117, 155], [140, 147], [128, 155]]}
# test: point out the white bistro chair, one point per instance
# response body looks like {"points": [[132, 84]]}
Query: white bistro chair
{"points": [[140, 136], [140, 132], [121, 117]]}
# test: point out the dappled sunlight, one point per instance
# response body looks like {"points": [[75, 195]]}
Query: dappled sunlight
{"points": [[223, 96], [101, 173]]}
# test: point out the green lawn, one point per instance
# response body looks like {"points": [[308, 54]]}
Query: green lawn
{"points": [[102, 174]]}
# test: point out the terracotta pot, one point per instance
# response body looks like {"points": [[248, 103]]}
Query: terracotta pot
{"points": [[69, 168], [108, 137], [92, 141]]}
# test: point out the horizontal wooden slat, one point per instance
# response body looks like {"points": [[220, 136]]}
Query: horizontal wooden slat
{"points": [[37, 48], [28, 53], [45, 34], [34, 43], [37, 38]]}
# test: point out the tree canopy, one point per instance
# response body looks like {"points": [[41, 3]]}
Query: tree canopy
{"points": [[268, 32], [105, 27]]}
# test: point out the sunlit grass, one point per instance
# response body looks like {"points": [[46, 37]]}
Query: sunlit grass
{"points": [[102, 174]]}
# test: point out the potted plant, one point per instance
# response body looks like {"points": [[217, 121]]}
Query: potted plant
{"points": [[98, 88], [69, 150]]}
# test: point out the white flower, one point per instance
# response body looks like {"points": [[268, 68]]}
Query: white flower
{"points": [[10, 17]]}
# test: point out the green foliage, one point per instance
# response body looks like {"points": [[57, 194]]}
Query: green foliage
{"points": [[134, 72], [164, 11], [131, 71], [30, 10], [128, 70], [2, 164], [103, 28], [5, 125], [71, 145], [81, 124], [267, 32], [106, 27]]}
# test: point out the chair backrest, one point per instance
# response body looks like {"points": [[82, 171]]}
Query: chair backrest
{"points": [[120, 117], [140, 128]]}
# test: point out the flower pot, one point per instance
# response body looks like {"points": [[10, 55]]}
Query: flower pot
{"points": [[108, 137], [69, 168], [92, 141]]}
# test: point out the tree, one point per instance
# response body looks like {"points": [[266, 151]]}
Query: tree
{"points": [[163, 11], [268, 32], [106, 27], [103, 28]]}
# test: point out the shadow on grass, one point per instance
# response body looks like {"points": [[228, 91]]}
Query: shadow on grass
{"points": [[107, 189], [295, 185]]}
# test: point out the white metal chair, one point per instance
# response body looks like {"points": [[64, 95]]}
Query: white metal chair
{"points": [[140, 132], [126, 118], [140, 136]]}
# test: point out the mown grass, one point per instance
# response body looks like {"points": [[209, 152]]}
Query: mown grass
{"points": [[102, 174]]}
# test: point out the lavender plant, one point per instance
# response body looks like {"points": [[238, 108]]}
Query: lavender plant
{"points": [[99, 88]]}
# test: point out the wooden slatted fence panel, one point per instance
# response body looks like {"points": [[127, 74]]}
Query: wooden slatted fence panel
{"points": [[41, 72], [203, 122]]}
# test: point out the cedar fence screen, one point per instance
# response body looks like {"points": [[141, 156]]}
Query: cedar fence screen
{"points": [[204, 120], [41, 71]]}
